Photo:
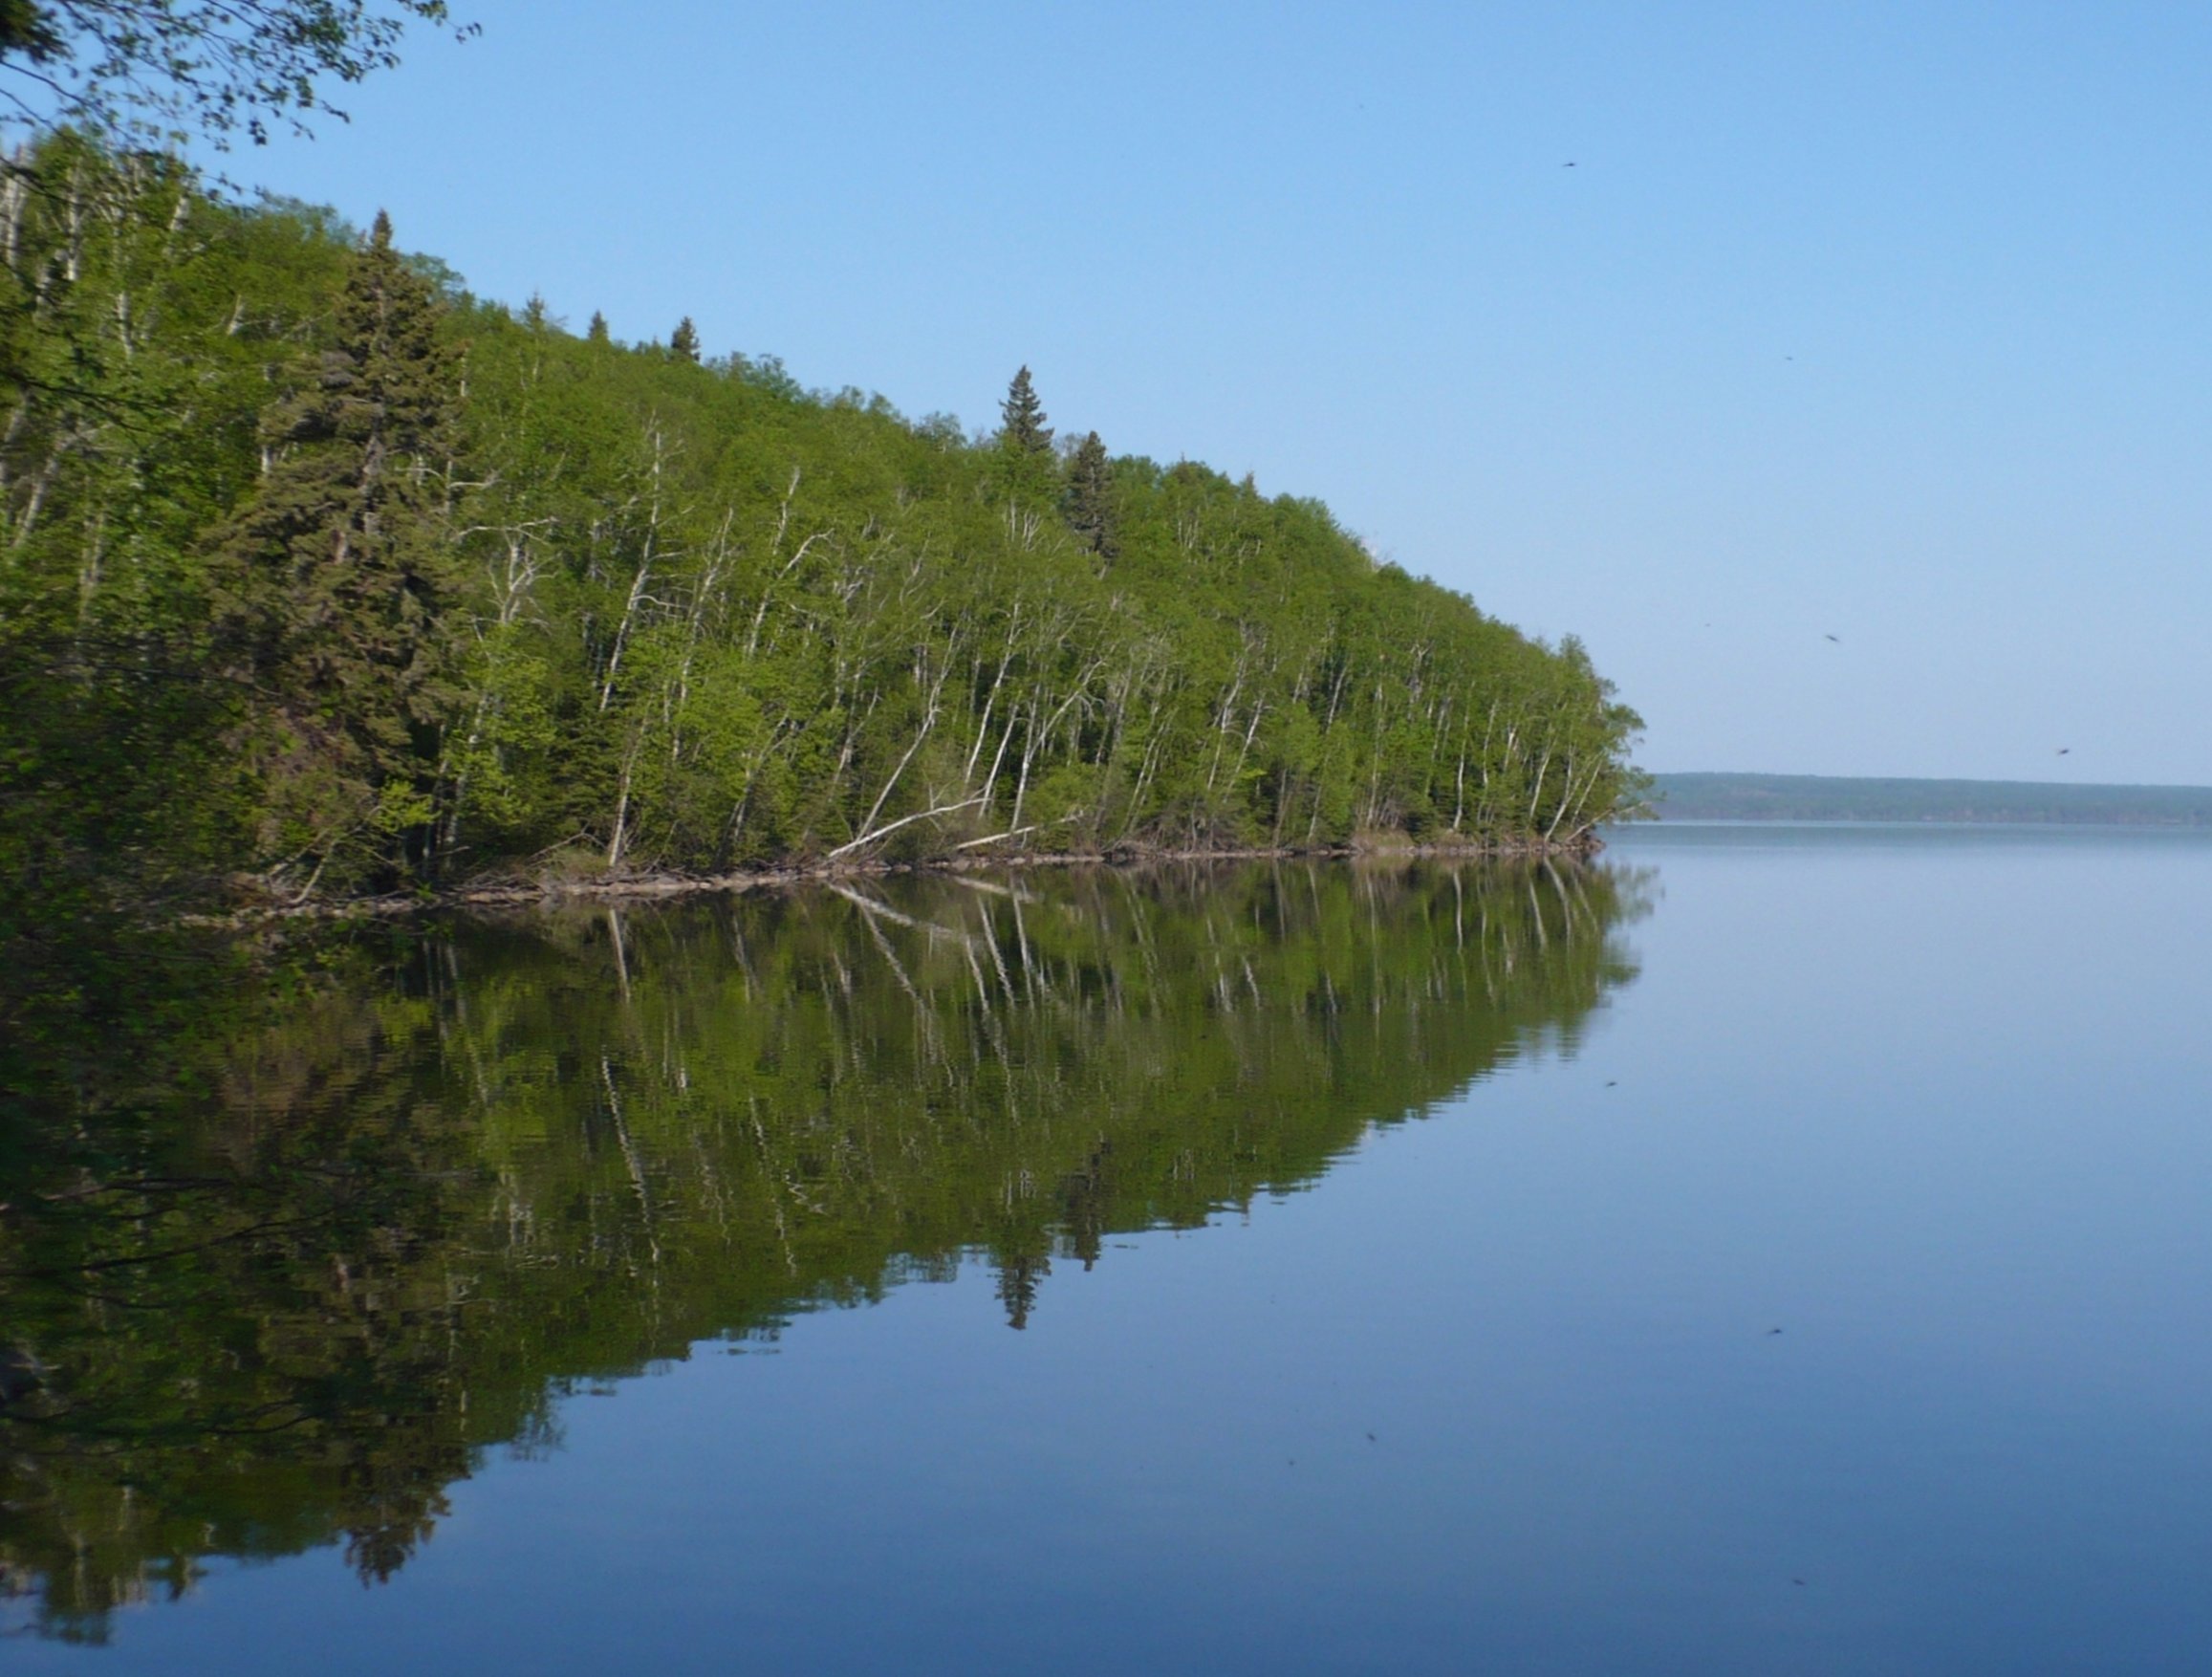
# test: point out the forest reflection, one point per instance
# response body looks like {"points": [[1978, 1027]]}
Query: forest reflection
{"points": [[279, 1282]]}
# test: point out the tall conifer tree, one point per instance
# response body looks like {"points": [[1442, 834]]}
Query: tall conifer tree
{"points": [[1024, 431], [339, 569], [1029, 471], [1090, 497], [684, 342]]}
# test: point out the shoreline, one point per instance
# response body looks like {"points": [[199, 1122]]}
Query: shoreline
{"points": [[662, 886]]}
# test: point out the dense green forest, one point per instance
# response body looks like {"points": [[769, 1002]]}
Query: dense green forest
{"points": [[281, 1272], [1824, 798], [318, 575]]}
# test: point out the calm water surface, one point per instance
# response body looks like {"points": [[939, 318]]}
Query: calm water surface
{"points": [[1248, 1269]]}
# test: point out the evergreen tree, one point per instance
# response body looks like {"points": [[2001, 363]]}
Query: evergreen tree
{"points": [[341, 579], [1024, 431], [596, 332], [1091, 497], [684, 342], [1029, 472]]}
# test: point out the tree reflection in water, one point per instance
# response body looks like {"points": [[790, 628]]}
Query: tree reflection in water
{"points": [[280, 1279]]}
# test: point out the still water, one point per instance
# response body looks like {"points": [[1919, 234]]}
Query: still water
{"points": [[1771, 1249]]}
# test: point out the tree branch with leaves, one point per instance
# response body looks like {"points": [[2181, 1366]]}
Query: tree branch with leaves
{"points": [[163, 71]]}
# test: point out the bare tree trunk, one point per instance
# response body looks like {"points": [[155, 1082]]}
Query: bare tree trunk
{"points": [[620, 838], [928, 722], [637, 584]]}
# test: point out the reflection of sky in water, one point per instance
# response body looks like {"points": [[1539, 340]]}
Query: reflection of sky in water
{"points": [[1937, 1109]]}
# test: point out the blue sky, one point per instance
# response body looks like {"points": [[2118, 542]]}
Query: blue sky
{"points": [[1886, 322]]}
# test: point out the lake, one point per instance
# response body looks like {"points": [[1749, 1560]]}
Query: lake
{"points": [[1765, 1249]]}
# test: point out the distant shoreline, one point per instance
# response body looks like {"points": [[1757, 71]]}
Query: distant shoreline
{"points": [[1819, 797]]}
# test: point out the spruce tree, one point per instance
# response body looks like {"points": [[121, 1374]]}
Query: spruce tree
{"points": [[338, 571], [684, 342], [1089, 499], [596, 332], [1024, 431]]}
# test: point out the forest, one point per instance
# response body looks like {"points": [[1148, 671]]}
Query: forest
{"points": [[320, 577]]}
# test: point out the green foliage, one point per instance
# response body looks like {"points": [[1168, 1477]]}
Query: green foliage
{"points": [[683, 617], [1090, 501], [338, 577], [683, 342], [1029, 473], [140, 326]]}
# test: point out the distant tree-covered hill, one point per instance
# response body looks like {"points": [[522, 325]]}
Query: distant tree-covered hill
{"points": [[1821, 797]]}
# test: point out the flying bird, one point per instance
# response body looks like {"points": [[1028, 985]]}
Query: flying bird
{"points": [[1837, 639], [1568, 165], [2063, 749]]}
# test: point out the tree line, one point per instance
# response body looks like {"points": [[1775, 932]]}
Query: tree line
{"points": [[1842, 798], [319, 574]]}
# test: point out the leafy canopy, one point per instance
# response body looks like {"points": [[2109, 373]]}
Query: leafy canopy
{"points": [[163, 70]]}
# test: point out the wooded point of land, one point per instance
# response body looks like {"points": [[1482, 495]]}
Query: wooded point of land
{"points": [[319, 576]]}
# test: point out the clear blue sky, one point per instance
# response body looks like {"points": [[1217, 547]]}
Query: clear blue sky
{"points": [[1887, 323]]}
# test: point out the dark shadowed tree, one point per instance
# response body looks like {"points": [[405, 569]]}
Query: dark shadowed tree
{"points": [[338, 570], [596, 332], [1090, 497], [684, 342]]}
